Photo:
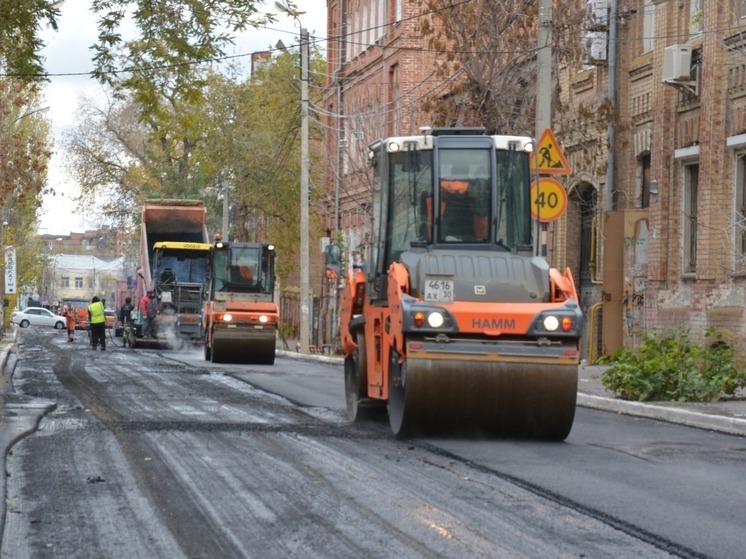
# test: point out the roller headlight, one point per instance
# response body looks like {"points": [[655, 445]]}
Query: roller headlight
{"points": [[227, 317], [435, 320], [551, 323], [263, 318], [558, 324]]}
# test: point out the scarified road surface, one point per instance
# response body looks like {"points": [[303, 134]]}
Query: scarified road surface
{"points": [[147, 457]]}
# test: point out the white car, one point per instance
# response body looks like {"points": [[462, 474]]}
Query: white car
{"points": [[37, 316]]}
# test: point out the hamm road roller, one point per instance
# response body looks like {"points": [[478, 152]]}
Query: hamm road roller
{"points": [[453, 323], [240, 317]]}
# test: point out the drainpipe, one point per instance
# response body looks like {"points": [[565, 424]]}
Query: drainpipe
{"points": [[611, 129]]}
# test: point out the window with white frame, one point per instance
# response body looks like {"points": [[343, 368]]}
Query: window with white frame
{"points": [[689, 221], [696, 17], [65, 282], [365, 27], [648, 26], [79, 283], [740, 212]]}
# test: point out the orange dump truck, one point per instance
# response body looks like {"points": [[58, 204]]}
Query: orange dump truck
{"points": [[174, 250]]}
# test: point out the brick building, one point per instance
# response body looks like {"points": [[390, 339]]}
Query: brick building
{"points": [[378, 73], [655, 230], [667, 238]]}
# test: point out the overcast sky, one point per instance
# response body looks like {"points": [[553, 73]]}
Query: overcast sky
{"points": [[68, 52]]}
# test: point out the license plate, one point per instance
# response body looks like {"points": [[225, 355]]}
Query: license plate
{"points": [[439, 291]]}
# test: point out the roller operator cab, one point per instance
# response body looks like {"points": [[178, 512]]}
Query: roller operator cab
{"points": [[452, 322], [240, 317]]}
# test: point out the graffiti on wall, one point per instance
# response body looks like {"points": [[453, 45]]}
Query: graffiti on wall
{"points": [[635, 283]]}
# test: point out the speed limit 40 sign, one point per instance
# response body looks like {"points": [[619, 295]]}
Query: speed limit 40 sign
{"points": [[548, 200]]}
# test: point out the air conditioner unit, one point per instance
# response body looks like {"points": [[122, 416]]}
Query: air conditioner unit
{"points": [[595, 46], [598, 11], [677, 64]]}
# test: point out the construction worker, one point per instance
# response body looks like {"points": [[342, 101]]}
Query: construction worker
{"points": [[149, 309], [97, 320], [71, 320], [125, 312]]}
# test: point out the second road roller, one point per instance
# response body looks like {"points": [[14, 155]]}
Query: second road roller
{"points": [[454, 323], [240, 316]]}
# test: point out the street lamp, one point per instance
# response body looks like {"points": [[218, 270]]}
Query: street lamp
{"points": [[304, 167]]}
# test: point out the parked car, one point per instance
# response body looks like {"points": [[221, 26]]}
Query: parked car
{"points": [[37, 316]]}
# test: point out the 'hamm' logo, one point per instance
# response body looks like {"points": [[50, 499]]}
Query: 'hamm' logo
{"points": [[493, 323]]}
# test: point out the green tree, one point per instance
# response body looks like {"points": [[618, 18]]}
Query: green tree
{"points": [[24, 153], [240, 135], [252, 146], [161, 66], [20, 44]]}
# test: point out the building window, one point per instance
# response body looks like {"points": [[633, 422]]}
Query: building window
{"points": [[65, 282], [648, 26], [393, 100], [643, 166], [78, 283], [696, 17], [691, 188], [740, 221]]}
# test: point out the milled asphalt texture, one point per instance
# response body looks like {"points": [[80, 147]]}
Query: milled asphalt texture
{"points": [[20, 415]]}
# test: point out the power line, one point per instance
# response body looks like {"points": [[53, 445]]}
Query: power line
{"points": [[322, 40]]}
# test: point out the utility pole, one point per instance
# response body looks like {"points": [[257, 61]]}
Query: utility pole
{"points": [[544, 68], [305, 310], [226, 207], [544, 89]]}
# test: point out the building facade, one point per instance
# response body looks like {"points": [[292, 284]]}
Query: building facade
{"points": [[667, 170], [81, 265], [378, 72]]}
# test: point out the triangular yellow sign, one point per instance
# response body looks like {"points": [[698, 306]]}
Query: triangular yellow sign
{"points": [[550, 157]]}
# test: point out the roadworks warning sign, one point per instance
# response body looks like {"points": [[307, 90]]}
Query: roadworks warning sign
{"points": [[549, 156]]}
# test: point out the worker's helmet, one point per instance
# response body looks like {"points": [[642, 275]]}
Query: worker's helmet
{"points": [[151, 292]]}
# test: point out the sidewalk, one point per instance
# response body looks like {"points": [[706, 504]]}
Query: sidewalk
{"points": [[728, 416]]}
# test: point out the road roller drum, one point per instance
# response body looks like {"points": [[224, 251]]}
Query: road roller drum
{"points": [[487, 399], [238, 347]]}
